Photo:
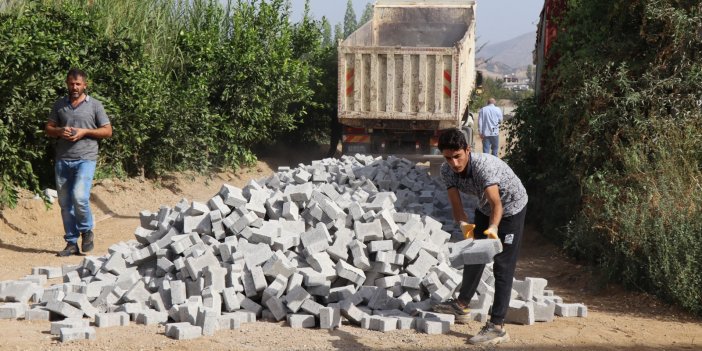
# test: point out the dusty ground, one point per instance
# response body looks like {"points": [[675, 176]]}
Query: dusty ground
{"points": [[30, 235]]}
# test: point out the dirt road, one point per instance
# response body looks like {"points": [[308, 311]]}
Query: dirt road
{"points": [[30, 235]]}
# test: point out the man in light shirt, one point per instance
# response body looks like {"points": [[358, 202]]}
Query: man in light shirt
{"points": [[489, 119]]}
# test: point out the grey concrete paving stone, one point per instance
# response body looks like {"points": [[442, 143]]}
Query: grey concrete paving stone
{"points": [[347, 237]]}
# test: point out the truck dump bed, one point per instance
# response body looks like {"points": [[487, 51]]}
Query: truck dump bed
{"points": [[411, 67]]}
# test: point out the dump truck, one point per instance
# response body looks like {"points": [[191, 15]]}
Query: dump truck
{"points": [[405, 75], [546, 33]]}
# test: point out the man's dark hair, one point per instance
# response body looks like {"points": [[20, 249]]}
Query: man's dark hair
{"points": [[452, 139], [76, 73]]}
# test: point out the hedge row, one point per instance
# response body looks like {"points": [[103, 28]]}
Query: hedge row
{"points": [[612, 153], [187, 84]]}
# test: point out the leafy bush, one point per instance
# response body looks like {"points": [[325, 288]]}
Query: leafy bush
{"points": [[320, 109], [259, 77], [187, 84], [493, 88], [36, 53], [612, 153]]}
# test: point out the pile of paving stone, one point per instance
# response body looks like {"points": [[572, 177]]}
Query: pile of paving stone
{"points": [[337, 240]]}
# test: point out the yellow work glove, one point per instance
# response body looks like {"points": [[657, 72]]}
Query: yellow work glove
{"points": [[467, 230], [491, 232]]}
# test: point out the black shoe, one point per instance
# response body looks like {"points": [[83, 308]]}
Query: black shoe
{"points": [[71, 249], [87, 245]]}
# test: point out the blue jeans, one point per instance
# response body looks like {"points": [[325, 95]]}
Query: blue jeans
{"points": [[491, 142], [74, 178]]}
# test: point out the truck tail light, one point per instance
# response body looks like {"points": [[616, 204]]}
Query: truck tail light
{"points": [[351, 130]]}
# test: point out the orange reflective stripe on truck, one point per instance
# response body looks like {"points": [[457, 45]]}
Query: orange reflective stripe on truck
{"points": [[356, 138], [447, 83], [349, 81]]}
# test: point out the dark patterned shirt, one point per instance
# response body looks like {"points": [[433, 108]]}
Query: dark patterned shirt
{"points": [[486, 170]]}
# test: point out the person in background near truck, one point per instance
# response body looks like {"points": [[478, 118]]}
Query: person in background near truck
{"points": [[489, 119], [78, 121], [500, 215]]}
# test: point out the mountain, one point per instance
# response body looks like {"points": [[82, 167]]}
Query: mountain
{"points": [[493, 69], [517, 53]]}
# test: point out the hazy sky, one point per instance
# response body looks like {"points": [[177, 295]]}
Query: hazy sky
{"points": [[498, 20]]}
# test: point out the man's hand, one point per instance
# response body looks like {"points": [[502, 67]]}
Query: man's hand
{"points": [[467, 230], [491, 232], [75, 134], [65, 132]]}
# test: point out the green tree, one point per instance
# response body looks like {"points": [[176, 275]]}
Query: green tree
{"points": [[350, 22], [320, 108], [530, 75], [259, 78], [495, 88], [367, 14], [327, 39], [338, 32]]}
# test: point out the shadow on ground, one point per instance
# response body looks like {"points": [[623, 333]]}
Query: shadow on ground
{"points": [[290, 155], [16, 248], [102, 205]]}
